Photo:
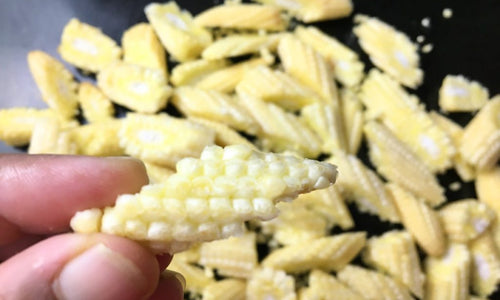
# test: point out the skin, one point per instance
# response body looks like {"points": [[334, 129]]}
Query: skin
{"points": [[40, 259]]}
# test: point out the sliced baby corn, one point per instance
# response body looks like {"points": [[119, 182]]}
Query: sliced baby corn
{"points": [[390, 50], [17, 124], [215, 106], [485, 275], [353, 117], [458, 93], [182, 38], [142, 47], [241, 44], [190, 72], [420, 220], [309, 11], [196, 278], [162, 139], [190, 255], [95, 105], [267, 283], [327, 253], [86, 47], [308, 66], [208, 198], [371, 284], [139, 88], [226, 289], [98, 139], [399, 164], [327, 287], [157, 173], [396, 254], [233, 257], [466, 219], [55, 83], [224, 135], [480, 144], [277, 87], [242, 16], [488, 188], [348, 68], [48, 138], [362, 185], [281, 130], [448, 276]]}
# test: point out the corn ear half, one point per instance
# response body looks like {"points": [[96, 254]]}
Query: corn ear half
{"points": [[488, 188], [309, 11], [226, 289], [267, 283], [17, 124], [95, 105], [457, 94], [325, 286], [485, 275]]}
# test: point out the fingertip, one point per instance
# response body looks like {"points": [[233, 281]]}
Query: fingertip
{"points": [[171, 286]]}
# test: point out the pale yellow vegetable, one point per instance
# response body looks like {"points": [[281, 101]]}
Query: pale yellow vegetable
{"points": [[267, 283], [327, 287], [458, 93], [485, 269], [49, 138], [98, 139], [95, 105], [488, 188], [196, 278], [17, 124], [226, 289], [310, 11], [191, 72], [224, 135], [241, 44]]}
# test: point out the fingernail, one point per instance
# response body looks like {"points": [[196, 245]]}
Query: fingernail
{"points": [[178, 276], [100, 273]]}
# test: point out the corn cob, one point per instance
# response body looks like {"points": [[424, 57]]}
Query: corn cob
{"points": [[362, 185], [395, 253], [466, 219], [142, 47], [224, 135], [209, 198], [371, 284], [226, 289], [242, 16], [277, 87], [55, 83], [233, 257], [162, 139], [480, 144], [267, 283], [215, 106], [138, 88], [156, 173], [390, 50], [420, 220], [448, 276], [241, 44], [182, 38], [327, 253], [48, 138], [190, 255], [191, 72], [326, 287], [309, 11], [197, 279], [95, 105], [87, 47], [399, 164], [348, 68], [98, 139], [353, 117], [488, 188], [485, 274], [457, 93]]}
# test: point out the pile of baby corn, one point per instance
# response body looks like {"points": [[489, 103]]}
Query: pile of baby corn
{"points": [[262, 95]]}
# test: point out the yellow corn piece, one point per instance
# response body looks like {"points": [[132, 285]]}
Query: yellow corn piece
{"points": [[353, 117], [327, 253], [86, 47], [267, 283], [330, 205], [348, 68], [466, 219], [157, 173], [224, 135], [17, 124], [243, 16], [455, 132], [474, 297], [420, 220], [309, 11], [196, 278], [372, 285], [49, 138], [191, 72], [396, 162], [390, 50], [233, 257], [175, 28], [241, 44], [488, 188], [281, 130], [208, 198], [480, 144], [485, 275], [226, 289], [323, 286], [326, 121], [387, 101], [95, 105], [458, 93], [448, 276], [308, 66], [362, 185], [142, 47], [277, 87], [395, 253], [162, 139], [98, 139], [55, 83], [215, 106]]}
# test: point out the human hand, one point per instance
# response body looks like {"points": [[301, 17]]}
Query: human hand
{"points": [[38, 196]]}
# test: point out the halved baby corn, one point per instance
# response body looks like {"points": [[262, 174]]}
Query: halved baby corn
{"points": [[353, 117], [325, 286], [309, 11], [196, 278], [95, 105], [488, 188], [49, 138], [98, 138], [224, 135], [267, 283], [191, 72], [241, 44], [226, 289], [457, 93], [485, 275]]}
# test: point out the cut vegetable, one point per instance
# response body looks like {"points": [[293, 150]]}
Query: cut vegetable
{"points": [[96, 107], [241, 44], [310, 11], [457, 93], [267, 283]]}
